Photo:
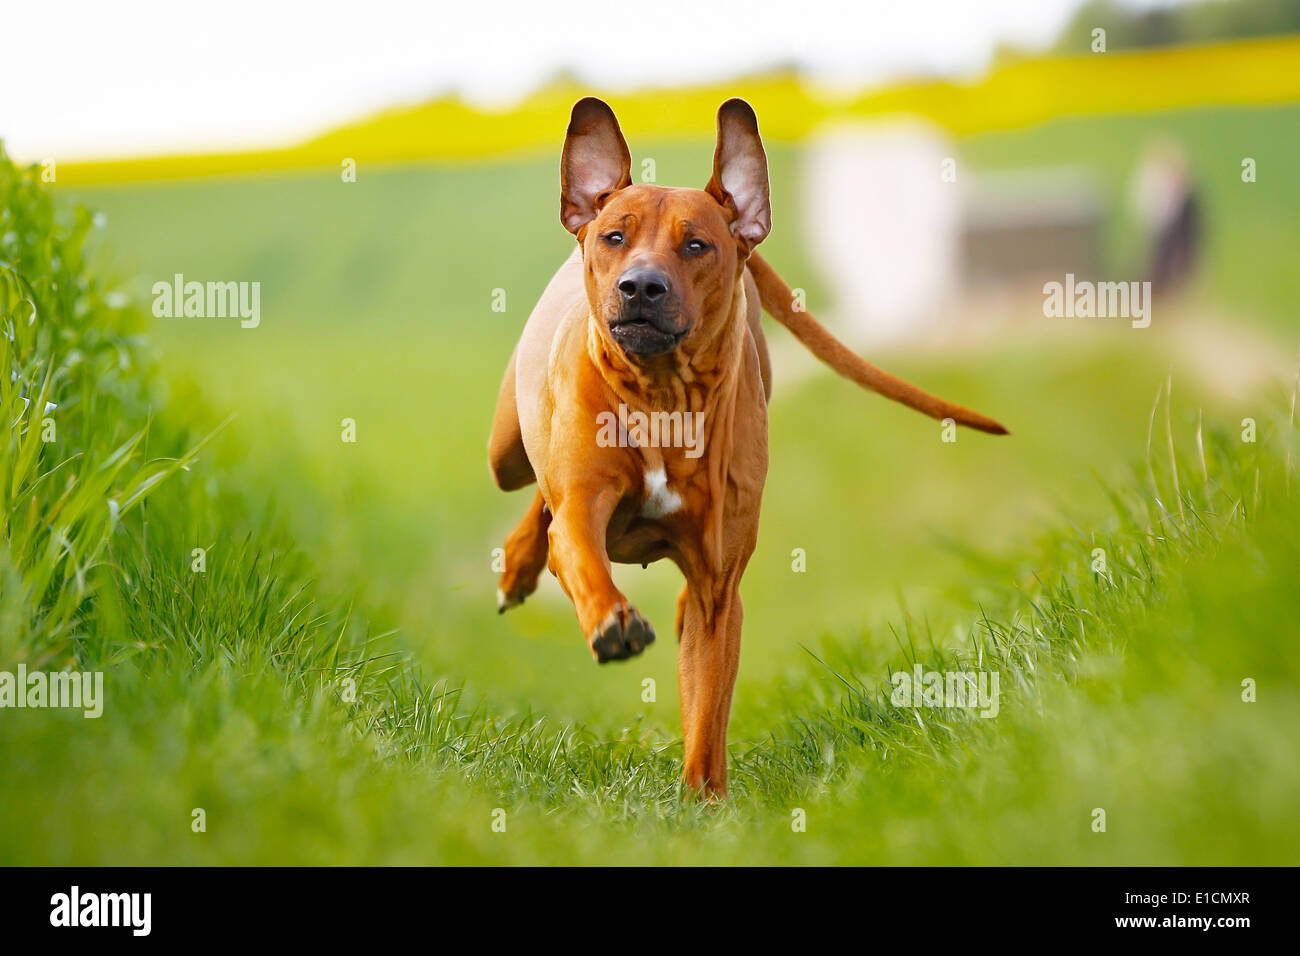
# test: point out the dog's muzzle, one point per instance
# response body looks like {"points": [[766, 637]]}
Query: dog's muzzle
{"points": [[647, 319]]}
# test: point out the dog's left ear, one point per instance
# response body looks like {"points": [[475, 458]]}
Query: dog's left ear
{"points": [[740, 173]]}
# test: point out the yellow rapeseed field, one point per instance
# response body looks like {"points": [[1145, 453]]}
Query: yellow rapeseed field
{"points": [[1013, 94]]}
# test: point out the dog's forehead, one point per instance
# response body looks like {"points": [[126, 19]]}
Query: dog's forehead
{"points": [[666, 203]]}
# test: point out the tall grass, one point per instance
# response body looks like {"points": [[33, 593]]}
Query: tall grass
{"points": [[74, 400]]}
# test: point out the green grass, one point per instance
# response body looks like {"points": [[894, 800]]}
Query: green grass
{"points": [[226, 688]]}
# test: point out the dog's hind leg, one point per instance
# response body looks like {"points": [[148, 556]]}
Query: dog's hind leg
{"points": [[506, 455], [526, 555]]}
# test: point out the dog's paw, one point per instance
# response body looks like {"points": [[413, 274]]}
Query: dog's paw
{"points": [[622, 634], [514, 587]]}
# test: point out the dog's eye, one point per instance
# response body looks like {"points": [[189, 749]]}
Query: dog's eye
{"points": [[613, 238], [695, 247]]}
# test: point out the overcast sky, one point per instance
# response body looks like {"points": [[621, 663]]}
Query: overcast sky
{"points": [[123, 77]]}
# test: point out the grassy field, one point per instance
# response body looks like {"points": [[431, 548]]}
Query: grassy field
{"points": [[1120, 691]]}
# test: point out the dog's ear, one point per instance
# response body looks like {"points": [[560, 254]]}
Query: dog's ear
{"points": [[595, 162], [740, 173]]}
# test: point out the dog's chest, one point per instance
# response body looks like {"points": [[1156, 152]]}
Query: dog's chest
{"points": [[660, 499]]}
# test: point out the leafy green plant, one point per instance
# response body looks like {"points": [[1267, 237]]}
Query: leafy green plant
{"points": [[73, 402]]}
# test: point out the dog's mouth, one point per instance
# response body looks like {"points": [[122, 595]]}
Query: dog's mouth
{"points": [[641, 334]]}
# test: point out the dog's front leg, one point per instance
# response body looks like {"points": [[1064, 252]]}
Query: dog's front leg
{"points": [[707, 661], [578, 557]]}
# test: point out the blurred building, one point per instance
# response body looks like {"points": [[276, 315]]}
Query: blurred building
{"points": [[1030, 225], [905, 236]]}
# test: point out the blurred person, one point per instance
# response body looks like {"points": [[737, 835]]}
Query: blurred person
{"points": [[1169, 210]]}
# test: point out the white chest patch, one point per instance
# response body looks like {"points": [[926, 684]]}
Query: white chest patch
{"points": [[660, 500]]}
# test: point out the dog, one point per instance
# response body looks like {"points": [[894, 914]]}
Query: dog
{"points": [[655, 319]]}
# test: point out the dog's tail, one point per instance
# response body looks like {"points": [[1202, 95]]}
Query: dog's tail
{"points": [[778, 302]]}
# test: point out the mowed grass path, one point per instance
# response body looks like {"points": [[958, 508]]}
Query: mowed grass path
{"points": [[376, 306]]}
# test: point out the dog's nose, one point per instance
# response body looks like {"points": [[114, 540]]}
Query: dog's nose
{"points": [[645, 283]]}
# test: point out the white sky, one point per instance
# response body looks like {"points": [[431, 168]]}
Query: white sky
{"points": [[92, 78]]}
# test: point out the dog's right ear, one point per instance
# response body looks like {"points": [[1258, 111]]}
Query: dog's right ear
{"points": [[595, 162]]}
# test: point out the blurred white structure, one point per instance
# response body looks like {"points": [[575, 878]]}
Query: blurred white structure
{"points": [[882, 222]]}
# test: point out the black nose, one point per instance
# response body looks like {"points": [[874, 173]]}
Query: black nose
{"points": [[650, 285]]}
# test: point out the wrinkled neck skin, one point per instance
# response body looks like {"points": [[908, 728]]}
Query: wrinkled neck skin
{"points": [[694, 377], [700, 375]]}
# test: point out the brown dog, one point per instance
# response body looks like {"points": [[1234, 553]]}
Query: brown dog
{"points": [[651, 328]]}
